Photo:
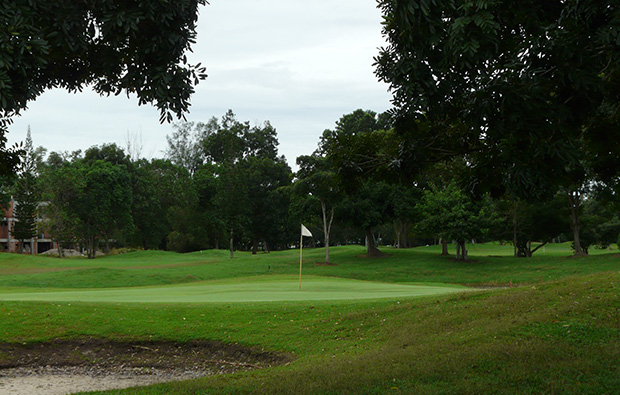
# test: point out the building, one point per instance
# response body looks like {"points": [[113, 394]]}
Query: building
{"points": [[37, 245]]}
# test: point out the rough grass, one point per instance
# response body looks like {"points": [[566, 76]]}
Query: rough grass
{"points": [[558, 332]]}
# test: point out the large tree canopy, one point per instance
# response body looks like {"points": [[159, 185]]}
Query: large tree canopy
{"points": [[522, 88], [132, 46]]}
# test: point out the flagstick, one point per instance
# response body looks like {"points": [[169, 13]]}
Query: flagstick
{"points": [[301, 247]]}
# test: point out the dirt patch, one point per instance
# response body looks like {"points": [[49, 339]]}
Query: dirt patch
{"points": [[64, 366]]}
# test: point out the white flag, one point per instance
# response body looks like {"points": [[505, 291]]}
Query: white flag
{"points": [[305, 231]]}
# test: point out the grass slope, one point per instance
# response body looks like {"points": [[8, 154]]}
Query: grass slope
{"points": [[556, 333]]}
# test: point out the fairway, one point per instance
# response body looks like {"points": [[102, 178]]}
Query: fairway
{"points": [[255, 289]]}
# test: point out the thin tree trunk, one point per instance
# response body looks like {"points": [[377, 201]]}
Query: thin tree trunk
{"points": [[231, 245], [107, 245], [444, 247], [327, 227], [397, 230], [575, 201], [514, 229], [254, 246]]}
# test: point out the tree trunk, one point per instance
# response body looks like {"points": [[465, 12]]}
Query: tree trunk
{"points": [[107, 245], [90, 248], [231, 245], [461, 251], [327, 227], [398, 231], [514, 230], [574, 200], [372, 249], [254, 246], [444, 247]]}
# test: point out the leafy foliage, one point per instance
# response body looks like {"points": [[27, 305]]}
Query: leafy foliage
{"points": [[247, 173], [137, 47], [452, 215], [512, 85]]}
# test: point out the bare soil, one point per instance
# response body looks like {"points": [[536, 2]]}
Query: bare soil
{"points": [[65, 366]]}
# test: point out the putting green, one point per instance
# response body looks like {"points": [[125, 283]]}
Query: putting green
{"points": [[269, 289]]}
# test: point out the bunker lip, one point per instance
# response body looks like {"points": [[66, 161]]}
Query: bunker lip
{"points": [[168, 360]]}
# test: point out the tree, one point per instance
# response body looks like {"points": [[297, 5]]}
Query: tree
{"points": [[207, 182], [110, 153], [149, 206], [245, 161], [165, 207], [524, 222], [268, 206], [189, 231], [317, 179], [103, 204], [136, 47], [600, 224], [60, 181], [26, 196], [359, 150], [185, 145], [87, 200], [522, 89], [404, 198], [367, 207], [452, 215]]}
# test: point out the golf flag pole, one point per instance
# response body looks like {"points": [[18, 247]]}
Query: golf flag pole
{"points": [[304, 232]]}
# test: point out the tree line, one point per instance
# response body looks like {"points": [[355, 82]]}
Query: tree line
{"points": [[222, 184]]}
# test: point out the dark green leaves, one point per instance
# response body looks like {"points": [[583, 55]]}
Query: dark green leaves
{"points": [[134, 47]]}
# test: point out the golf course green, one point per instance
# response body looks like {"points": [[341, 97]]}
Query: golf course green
{"points": [[253, 289]]}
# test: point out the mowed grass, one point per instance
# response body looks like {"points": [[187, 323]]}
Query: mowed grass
{"points": [[490, 264], [262, 289], [557, 332]]}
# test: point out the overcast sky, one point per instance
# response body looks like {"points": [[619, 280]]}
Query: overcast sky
{"points": [[299, 64]]}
